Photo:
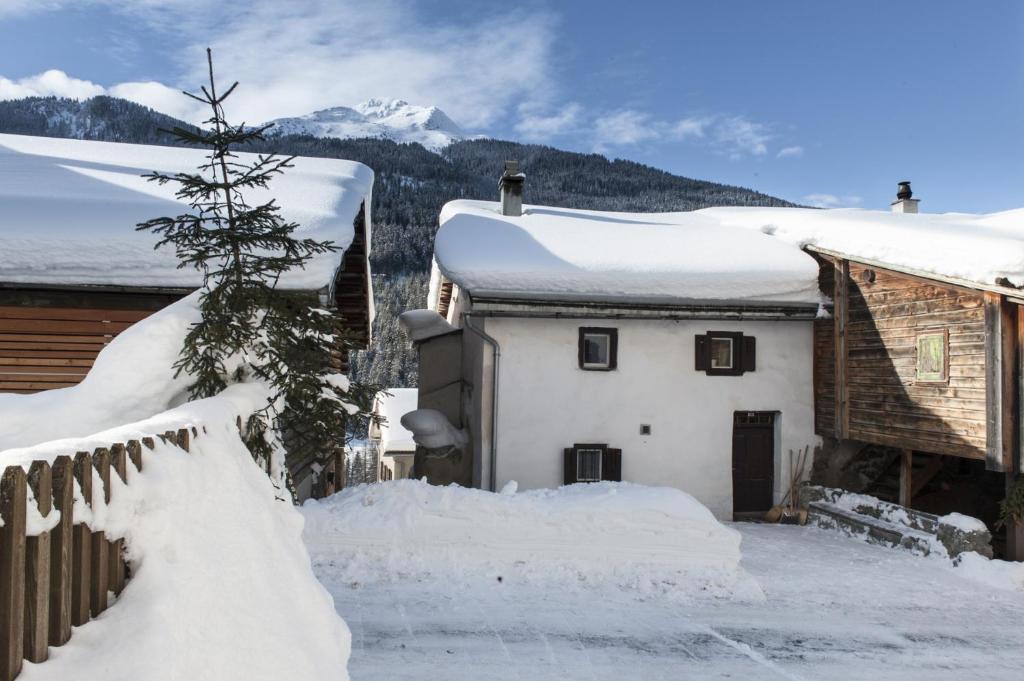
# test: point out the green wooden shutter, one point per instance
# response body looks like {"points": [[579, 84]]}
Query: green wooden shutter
{"points": [[611, 465], [700, 344], [749, 353], [570, 465]]}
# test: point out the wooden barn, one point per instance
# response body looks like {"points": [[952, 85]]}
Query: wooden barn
{"points": [[918, 371], [74, 273]]}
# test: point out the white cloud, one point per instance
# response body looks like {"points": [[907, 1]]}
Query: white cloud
{"points": [[295, 57], [738, 136], [687, 128], [790, 152], [831, 201], [49, 83], [625, 127], [162, 98], [539, 127]]}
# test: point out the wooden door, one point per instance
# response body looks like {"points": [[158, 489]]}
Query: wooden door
{"points": [[753, 461]]}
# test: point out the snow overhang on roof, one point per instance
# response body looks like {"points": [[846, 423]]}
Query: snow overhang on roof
{"points": [[979, 251], [70, 208], [394, 437], [658, 258]]}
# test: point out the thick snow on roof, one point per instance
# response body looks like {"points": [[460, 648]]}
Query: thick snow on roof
{"points": [[394, 437], [70, 208], [975, 248], [564, 254]]}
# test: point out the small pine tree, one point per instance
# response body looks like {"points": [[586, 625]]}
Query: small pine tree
{"points": [[249, 330]]}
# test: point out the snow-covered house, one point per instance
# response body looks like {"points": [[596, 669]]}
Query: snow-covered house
{"points": [[74, 272], [689, 349], [573, 345], [392, 442]]}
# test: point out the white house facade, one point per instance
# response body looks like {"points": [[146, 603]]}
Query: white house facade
{"points": [[662, 349], [393, 444]]}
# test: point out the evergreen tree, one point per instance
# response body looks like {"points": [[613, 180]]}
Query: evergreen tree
{"points": [[249, 330]]}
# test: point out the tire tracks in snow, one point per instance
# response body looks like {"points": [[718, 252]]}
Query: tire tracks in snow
{"points": [[750, 653]]}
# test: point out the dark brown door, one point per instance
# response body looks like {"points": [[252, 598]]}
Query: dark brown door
{"points": [[753, 461]]}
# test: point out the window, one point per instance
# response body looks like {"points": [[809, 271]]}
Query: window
{"points": [[598, 348], [933, 356], [592, 463], [721, 353], [588, 465], [725, 353]]}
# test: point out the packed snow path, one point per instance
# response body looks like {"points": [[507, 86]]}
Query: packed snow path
{"points": [[836, 608]]}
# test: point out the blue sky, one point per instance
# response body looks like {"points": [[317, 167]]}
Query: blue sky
{"points": [[820, 102]]}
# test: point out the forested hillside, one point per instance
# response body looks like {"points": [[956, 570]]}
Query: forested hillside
{"points": [[412, 185]]}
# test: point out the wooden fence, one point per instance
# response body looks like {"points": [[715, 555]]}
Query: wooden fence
{"points": [[61, 578]]}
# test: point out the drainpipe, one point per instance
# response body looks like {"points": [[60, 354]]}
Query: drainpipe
{"points": [[466, 316]]}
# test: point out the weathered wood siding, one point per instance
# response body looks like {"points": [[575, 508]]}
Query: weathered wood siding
{"points": [[885, 404], [44, 347], [825, 360]]}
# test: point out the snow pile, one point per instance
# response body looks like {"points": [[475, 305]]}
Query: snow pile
{"points": [[392, 405], [70, 208], [222, 586], [132, 379], [431, 429], [977, 248], [421, 325], [565, 254], [1000, 574], [652, 539]]}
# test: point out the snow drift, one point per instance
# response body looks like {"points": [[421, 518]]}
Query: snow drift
{"points": [[222, 587], [645, 538], [132, 379]]}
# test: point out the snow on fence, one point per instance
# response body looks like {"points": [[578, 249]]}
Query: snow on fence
{"points": [[58, 566]]}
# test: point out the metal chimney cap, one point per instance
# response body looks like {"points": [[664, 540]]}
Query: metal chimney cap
{"points": [[904, 190]]}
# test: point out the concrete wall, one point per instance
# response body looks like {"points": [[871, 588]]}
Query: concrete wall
{"points": [[547, 403]]}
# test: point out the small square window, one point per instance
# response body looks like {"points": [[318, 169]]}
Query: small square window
{"points": [[595, 350], [933, 357], [588, 465], [721, 353], [598, 348]]}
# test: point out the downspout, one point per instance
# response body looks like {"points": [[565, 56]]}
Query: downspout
{"points": [[466, 316]]}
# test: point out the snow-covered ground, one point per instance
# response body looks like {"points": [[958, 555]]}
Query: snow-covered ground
{"points": [[833, 608]]}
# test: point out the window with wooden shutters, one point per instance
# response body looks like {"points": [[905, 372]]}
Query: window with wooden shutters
{"points": [[592, 463], [725, 353], [598, 348]]}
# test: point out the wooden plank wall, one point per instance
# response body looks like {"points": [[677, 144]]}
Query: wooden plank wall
{"points": [[885, 403], [45, 347], [824, 359]]}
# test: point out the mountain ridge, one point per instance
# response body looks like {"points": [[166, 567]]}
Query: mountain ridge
{"points": [[412, 184], [394, 119]]}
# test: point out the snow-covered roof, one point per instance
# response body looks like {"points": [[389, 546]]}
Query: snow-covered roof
{"points": [[70, 208], [565, 254], [394, 437], [986, 250]]}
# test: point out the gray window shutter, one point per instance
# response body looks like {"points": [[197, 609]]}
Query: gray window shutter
{"points": [[700, 344], [611, 465], [749, 353], [570, 465]]}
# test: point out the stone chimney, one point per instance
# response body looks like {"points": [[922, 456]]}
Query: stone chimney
{"points": [[511, 186], [904, 203]]}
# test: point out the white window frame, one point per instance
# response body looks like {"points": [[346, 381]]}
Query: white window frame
{"points": [[607, 363], [711, 353], [600, 462]]}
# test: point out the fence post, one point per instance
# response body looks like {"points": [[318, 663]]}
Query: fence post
{"points": [[61, 551], [115, 557], [135, 453], [37, 568], [82, 545], [99, 577], [183, 438], [149, 442], [13, 500]]}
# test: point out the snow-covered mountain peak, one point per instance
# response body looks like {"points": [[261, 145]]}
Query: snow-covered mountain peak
{"points": [[393, 119]]}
